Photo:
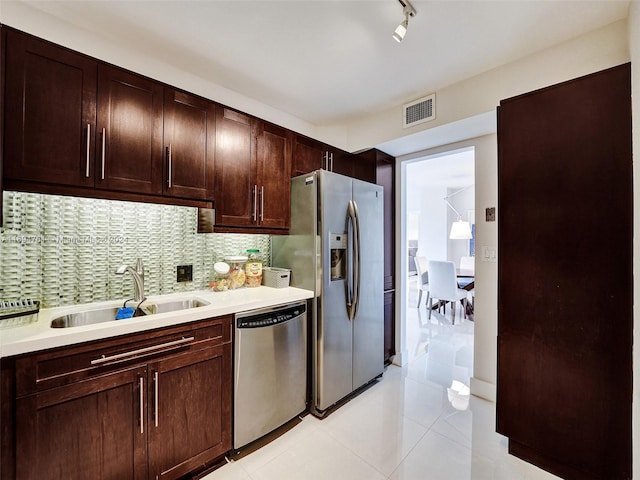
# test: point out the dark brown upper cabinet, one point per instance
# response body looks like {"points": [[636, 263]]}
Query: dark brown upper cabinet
{"points": [[50, 113], [189, 142], [77, 126], [340, 161], [235, 160], [252, 171], [129, 125], [310, 155], [273, 174]]}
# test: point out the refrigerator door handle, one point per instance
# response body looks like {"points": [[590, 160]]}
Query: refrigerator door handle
{"points": [[352, 286], [356, 261]]}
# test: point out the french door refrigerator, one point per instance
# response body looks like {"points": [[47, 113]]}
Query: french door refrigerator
{"points": [[335, 248]]}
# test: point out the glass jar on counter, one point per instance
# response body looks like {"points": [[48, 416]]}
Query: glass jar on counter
{"points": [[220, 281], [253, 268], [237, 276]]}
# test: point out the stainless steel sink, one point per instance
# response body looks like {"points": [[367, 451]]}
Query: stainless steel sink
{"points": [[90, 317], [174, 306]]}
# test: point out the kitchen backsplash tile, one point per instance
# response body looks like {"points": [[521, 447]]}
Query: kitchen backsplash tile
{"points": [[65, 250]]}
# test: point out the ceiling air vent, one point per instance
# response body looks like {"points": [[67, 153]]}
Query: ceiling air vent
{"points": [[419, 111]]}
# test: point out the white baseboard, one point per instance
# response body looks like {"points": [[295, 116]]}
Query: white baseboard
{"points": [[400, 359]]}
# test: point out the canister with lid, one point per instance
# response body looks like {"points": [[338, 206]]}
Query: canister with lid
{"points": [[236, 272], [253, 268], [220, 282]]}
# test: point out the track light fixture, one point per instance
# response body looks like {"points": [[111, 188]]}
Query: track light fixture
{"points": [[408, 11]]}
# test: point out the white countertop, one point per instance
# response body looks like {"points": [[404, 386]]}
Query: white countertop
{"points": [[39, 335]]}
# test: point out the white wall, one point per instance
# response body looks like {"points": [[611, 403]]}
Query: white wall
{"points": [[589, 53], [634, 45], [432, 240]]}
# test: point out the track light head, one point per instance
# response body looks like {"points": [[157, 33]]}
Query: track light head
{"points": [[401, 29]]}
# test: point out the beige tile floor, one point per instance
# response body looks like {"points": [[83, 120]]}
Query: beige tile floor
{"points": [[417, 423]]}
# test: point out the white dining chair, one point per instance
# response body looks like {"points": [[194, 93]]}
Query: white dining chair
{"points": [[467, 264], [423, 278], [443, 285]]}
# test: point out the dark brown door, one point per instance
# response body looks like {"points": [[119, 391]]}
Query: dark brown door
{"points": [[189, 140], [236, 187], [565, 276], [308, 155], [130, 149], [189, 411], [50, 114], [90, 429], [274, 172]]}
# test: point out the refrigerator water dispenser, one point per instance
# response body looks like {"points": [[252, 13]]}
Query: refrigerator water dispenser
{"points": [[338, 246]]}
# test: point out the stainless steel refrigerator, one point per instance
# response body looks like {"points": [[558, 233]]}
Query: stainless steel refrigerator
{"points": [[335, 248]]}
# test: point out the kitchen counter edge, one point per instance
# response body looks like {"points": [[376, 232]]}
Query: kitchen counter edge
{"points": [[38, 335]]}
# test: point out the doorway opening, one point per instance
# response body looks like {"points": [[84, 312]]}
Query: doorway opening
{"points": [[438, 190]]}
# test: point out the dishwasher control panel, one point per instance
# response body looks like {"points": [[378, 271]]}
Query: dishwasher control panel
{"points": [[269, 319]]}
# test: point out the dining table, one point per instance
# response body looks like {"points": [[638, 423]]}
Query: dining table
{"points": [[468, 284]]}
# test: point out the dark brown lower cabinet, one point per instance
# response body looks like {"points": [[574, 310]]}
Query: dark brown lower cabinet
{"points": [[190, 402], [565, 279], [162, 413], [90, 429]]}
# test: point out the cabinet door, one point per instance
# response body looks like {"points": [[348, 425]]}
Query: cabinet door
{"points": [[130, 150], [274, 172], [565, 309], [189, 140], [189, 411], [308, 155], [385, 176], [340, 161], [91, 429], [49, 113], [236, 189]]}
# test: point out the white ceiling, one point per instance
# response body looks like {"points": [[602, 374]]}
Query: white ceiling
{"points": [[330, 61], [451, 170]]}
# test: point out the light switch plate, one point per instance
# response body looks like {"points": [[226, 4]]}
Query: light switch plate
{"points": [[489, 254], [490, 214]]}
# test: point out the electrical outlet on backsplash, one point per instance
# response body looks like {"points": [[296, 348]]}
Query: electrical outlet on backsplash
{"points": [[65, 250]]}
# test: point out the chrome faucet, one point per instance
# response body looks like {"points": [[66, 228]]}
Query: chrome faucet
{"points": [[138, 278]]}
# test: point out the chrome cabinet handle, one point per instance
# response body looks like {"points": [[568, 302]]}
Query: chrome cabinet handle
{"points": [[170, 166], [132, 353], [254, 200], [104, 146], [331, 154], [86, 171], [261, 203], [156, 377], [141, 385]]}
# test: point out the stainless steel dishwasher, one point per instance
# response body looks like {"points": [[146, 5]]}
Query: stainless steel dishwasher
{"points": [[270, 370]]}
